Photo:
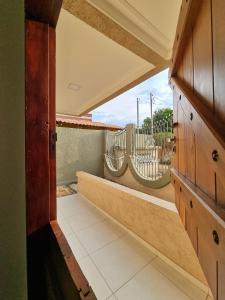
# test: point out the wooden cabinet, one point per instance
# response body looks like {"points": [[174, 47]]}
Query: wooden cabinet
{"points": [[181, 141], [218, 25], [188, 74], [202, 54], [198, 78], [206, 231]]}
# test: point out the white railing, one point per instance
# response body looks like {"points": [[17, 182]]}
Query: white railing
{"points": [[147, 151], [153, 150], [115, 149]]}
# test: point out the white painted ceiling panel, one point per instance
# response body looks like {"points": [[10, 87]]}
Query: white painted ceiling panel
{"points": [[152, 21], [90, 66]]}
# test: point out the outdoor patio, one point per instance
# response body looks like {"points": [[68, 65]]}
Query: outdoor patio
{"points": [[118, 264]]}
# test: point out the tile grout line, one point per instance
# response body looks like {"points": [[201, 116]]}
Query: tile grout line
{"points": [[100, 221], [120, 237], [101, 275], [147, 245], [175, 284], [89, 254], [141, 269], [107, 244]]}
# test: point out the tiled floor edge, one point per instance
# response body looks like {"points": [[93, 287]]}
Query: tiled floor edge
{"points": [[171, 263]]}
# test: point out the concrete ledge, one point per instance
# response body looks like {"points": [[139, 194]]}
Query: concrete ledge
{"points": [[154, 220], [166, 193]]}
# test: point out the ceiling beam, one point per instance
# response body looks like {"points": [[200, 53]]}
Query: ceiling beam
{"points": [[101, 22]]}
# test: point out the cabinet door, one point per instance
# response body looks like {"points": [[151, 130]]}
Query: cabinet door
{"points": [[202, 53], [181, 141], [205, 174], [190, 151]]}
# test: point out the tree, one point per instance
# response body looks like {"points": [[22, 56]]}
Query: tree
{"points": [[162, 114], [159, 115]]}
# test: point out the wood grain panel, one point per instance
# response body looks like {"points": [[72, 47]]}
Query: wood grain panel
{"points": [[175, 105], [175, 129], [198, 163], [182, 210], [218, 18], [208, 261], [180, 70], [207, 233], [202, 53], [188, 69], [190, 218], [205, 175], [221, 279], [202, 200], [202, 111], [52, 120], [177, 191], [190, 151], [187, 19], [181, 141], [175, 160], [37, 126], [220, 190], [192, 229]]}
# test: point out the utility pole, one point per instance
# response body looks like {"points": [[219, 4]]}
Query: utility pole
{"points": [[151, 113], [138, 112]]}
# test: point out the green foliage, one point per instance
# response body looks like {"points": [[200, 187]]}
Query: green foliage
{"points": [[158, 116], [147, 123], [160, 137]]}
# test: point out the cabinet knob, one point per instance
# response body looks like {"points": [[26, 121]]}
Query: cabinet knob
{"points": [[215, 237], [215, 155]]}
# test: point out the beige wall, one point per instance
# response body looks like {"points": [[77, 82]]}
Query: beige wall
{"points": [[78, 150], [154, 220], [12, 152], [166, 193]]}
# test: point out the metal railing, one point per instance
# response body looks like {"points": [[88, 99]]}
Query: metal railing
{"points": [[153, 149], [115, 149], [147, 150]]}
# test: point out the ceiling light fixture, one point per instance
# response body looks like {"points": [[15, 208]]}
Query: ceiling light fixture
{"points": [[74, 86]]}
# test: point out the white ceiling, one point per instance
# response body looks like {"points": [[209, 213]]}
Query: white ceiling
{"points": [[87, 59], [91, 67], [152, 21]]}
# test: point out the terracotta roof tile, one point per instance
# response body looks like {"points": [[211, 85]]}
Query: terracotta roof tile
{"points": [[83, 122]]}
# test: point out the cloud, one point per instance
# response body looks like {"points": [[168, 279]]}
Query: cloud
{"points": [[122, 110]]}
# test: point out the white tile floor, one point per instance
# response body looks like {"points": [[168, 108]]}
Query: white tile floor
{"points": [[114, 262]]}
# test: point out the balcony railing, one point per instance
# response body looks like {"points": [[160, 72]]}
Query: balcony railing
{"points": [[147, 151]]}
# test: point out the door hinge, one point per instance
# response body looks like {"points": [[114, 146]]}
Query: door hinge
{"points": [[52, 143]]}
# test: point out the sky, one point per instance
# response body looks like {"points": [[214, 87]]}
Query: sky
{"points": [[122, 110]]}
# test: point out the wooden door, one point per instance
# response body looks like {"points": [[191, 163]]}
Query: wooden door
{"points": [[40, 125]]}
